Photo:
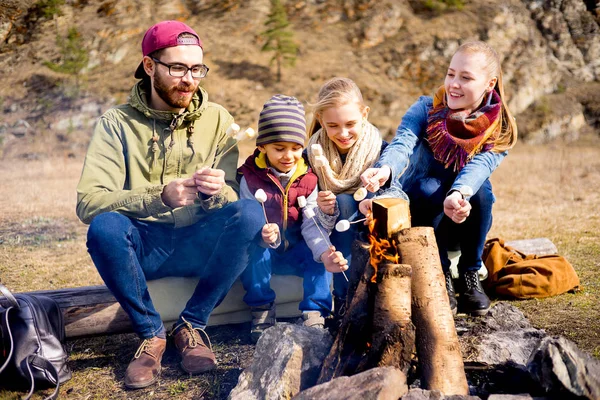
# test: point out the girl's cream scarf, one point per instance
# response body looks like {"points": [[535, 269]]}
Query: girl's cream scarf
{"points": [[345, 177]]}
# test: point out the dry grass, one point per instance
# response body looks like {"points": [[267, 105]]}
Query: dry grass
{"points": [[546, 191]]}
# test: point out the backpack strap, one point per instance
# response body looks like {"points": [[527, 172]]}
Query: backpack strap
{"points": [[10, 338], [38, 362], [9, 296]]}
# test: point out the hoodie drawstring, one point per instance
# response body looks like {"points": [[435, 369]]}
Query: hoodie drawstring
{"points": [[190, 139], [155, 148]]}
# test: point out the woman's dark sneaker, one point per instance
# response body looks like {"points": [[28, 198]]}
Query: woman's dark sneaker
{"points": [[472, 299]]}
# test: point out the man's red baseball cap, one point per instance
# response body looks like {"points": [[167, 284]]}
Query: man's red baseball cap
{"points": [[165, 34]]}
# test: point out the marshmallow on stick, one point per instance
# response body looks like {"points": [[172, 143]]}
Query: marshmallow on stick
{"points": [[316, 149], [247, 134], [301, 201], [310, 213], [261, 197], [360, 194], [321, 162], [343, 224], [234, 132]]}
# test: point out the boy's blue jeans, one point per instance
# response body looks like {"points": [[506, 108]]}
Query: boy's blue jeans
{"points": [[128, 252], [295, 261], [426, 208]]}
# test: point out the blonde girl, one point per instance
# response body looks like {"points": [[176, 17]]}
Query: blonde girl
{"points": [[350, 144], [454, 141]]}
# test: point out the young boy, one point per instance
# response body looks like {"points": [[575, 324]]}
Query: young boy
{"points": [[292, 244]]}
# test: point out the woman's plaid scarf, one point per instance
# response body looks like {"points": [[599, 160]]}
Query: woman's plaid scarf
{"points": [[456, 137]]}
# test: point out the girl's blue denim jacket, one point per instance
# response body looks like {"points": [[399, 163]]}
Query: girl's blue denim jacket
{"points": [[410, 150]]}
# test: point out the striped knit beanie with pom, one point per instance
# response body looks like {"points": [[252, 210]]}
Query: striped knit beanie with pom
{"points": [[282, 120]]}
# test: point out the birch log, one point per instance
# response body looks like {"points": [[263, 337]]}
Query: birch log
{"points": [[438, 348]]}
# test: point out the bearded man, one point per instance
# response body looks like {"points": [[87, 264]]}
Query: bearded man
{"points": [[159, 192]]}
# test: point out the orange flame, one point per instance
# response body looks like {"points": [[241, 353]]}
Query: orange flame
{"points": [[380, 249]]}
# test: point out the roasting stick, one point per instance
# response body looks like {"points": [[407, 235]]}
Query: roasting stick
{"points": [[309, 213], [261, 196], [234, 132]]}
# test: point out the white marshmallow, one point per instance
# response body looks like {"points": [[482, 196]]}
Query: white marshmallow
{"points": [[360, 194], [320, 161], [316, 149], [309, 213], [260, 195], [301, 201], [343, 225], [247, 134], [250, 133], [233, 130]]}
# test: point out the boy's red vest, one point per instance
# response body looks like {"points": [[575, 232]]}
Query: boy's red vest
{"points": [[282, 203]]}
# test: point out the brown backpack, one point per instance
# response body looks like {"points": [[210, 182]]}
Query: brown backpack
{"points": [[524, 276]]}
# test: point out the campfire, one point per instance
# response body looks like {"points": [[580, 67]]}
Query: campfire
{"points": [[380, 250], [397, 306]]}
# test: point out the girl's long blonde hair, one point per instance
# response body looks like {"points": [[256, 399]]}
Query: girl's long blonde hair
{"points": [[334, 93], [508, 131]]}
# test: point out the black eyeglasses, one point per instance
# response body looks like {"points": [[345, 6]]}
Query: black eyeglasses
{"points": [[180, 70]]}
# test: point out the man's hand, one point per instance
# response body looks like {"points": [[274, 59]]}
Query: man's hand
{"points": [[326, 201], [270, 233], [334, 261], [179, 192], [375, 178], [457, 208], [209, 181]]}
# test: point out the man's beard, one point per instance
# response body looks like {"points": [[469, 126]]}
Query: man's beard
{"points": [[168, 93]]}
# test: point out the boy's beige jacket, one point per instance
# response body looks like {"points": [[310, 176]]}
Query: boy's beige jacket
{"points": [[125, 171]]}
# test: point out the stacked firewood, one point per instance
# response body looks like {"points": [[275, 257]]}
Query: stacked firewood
{"points": [[397, 302]]}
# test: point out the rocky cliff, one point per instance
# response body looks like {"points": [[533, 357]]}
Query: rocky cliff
{"points": [[395, 50]]}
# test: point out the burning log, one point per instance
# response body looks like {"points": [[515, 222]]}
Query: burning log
{"points": [[393, 333], [351, 341], [376, 329], [438, 348]]}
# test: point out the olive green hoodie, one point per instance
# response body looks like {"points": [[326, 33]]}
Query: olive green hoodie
{"points": [[135, 151]]}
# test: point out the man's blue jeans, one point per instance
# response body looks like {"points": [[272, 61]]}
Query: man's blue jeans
{"points": [[128, 252], [295, 261], [426, 208]]}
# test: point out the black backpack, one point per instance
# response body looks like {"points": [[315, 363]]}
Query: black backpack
{"points": [[32, 350]]}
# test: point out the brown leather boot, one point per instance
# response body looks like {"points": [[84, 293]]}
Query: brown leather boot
{"points": [[196, 357], [144, 369]]}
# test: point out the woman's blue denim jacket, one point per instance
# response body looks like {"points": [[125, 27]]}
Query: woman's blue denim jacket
{"points": [[409, 149]]}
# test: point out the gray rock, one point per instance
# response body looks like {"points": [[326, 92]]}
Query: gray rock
{"points": [[384, 21], [385, 383], [502, 337], [510, 397], [560, 367], [571, 33], [287, 360], [422, 394]]}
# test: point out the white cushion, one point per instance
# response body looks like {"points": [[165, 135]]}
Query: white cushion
{"points": [[170, 295]]}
